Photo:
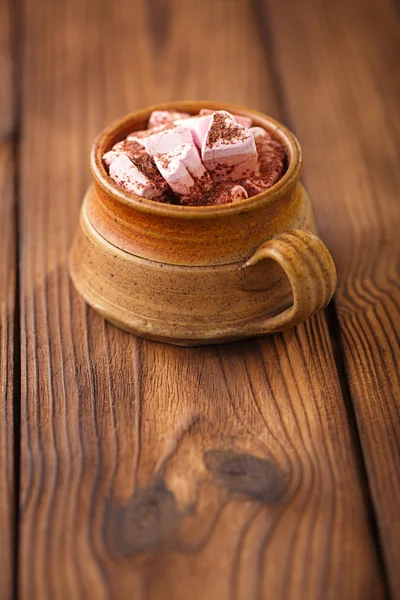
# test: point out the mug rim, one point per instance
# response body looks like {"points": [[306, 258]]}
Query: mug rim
{"points": [[102, 143]]}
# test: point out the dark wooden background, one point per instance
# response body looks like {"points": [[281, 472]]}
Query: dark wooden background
{"points": [[261, 470]]}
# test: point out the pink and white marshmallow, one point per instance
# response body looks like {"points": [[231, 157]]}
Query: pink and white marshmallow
{"points": [[159, 143], [229, 151], [198, 126], [245, 121], [124, 172], [165, 117], [184, 172], [259, 133], [141, 136], [128, 147]]}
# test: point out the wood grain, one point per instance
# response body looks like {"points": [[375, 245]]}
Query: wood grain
{"points": [[345, 101], [7, 303], [150, 471]]}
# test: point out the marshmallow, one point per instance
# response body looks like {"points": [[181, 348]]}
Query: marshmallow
{"points": [[245, 121], [140, 136], [198, 126], [159, 143], [135, 179], [229, 150], [184, 172], [127, 147], [165, 117], [259, 133], [229, 192]]}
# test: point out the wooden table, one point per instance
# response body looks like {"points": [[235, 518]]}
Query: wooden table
{"points": [[267, 469]]}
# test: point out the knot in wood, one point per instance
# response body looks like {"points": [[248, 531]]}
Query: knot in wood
{"points": [[147, 521], [259, 479]]}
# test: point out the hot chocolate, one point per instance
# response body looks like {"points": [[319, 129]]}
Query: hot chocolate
{"points": [[211, 158]]}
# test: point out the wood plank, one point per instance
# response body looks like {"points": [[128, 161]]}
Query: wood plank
{"points": [[148, 470], [7, 303], [344, 99]]}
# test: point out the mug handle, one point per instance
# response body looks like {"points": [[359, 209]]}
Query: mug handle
{"points": [[310, 269]]}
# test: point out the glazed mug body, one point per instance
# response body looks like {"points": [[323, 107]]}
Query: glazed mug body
{"points": [[198, 275]]}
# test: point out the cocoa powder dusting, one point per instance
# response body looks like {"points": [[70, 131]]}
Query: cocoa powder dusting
{"points": [[273, 164], [128, 147], [271, 155], [145, 163], [166, 157], [223, 132], [218, 193], [196, 197], [222, 194]]}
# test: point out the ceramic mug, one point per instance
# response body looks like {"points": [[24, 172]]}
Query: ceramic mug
{"points": [[199, 275]]}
